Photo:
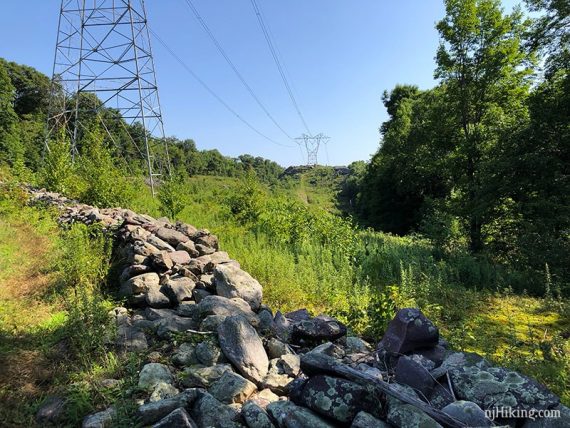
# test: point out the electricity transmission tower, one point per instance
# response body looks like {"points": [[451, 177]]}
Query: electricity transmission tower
{"points": [[103, 49], [312, 144]]}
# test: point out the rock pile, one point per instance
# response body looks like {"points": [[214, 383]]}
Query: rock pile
{"points": [[218, 357]]}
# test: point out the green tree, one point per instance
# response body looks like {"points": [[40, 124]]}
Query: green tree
{"points": [[173, 194], [105, 183], [484, 69], [58, 173], [11, 150]]}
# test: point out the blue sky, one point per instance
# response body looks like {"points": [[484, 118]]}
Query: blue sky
{"points": [[340, 56]]}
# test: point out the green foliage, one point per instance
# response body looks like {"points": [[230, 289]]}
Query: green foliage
{"points": [[58, 173], [105, 184], [246, 202], [172, 195]]}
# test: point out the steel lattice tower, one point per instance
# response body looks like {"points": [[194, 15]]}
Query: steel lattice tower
{"points": [[103, 48], [312, 144]]}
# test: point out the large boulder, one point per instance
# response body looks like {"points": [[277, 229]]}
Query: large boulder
{"points": [[152, 412], [179, 289], [496, 387], [408, 331], [231, 281], [243, 347], [203, 377], [366, 420], [337, 398]]}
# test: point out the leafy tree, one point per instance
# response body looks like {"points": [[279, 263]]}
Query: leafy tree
{"points": [[58, 173], [173, 194], [105, 183], [484, 69]]}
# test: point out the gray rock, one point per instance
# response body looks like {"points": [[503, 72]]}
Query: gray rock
{"points": [[179, 257], [290, 364], [496, 387], [200, 376], [357, 345], [172, 236], [208, 240], [298, 315], [204, 250], [211, 322], [288, 415], [130, 339], [155, 298], [218, 305], [209, 412], [179, 289], [276, 348], [199, 295], [233, 282], [406, 415], [281, 327], [366, 420], [467, 412], [411, 373], [162, 261], [255, 416], [337, 398], [162, 391], [232, 388], [329, 349], [209, 354], [185, 355], [139, 284], [441, 396], [103, 419], [51, 410], [152, 374], [154, 314], [174, 324], [189, 247], [151, 412], [243, 347], [264, 397], [159, 243], [318, 329], [408, 331], [187, 309], [178, 418], [277, 383]]}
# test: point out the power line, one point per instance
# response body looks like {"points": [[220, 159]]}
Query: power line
{"points": [[234, 68], [272, 49], [211, 91]]}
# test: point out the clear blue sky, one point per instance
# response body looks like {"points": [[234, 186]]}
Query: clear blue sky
{"points": [[340, 56]]}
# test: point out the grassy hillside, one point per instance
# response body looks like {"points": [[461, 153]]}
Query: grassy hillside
{"points": [[364, 277], [302, 254]]}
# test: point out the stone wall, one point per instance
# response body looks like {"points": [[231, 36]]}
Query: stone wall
{"points": [[218, 357]]}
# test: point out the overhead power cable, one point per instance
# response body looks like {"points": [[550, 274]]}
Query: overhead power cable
{"points": [[211, 91], [234, 68], [266, 34]]}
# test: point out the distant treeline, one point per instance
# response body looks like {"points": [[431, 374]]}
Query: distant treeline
{"points": [[24, 103]]}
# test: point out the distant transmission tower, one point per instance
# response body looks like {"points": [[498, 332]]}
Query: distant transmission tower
{"points": [[103, 48], [312, 144]]}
